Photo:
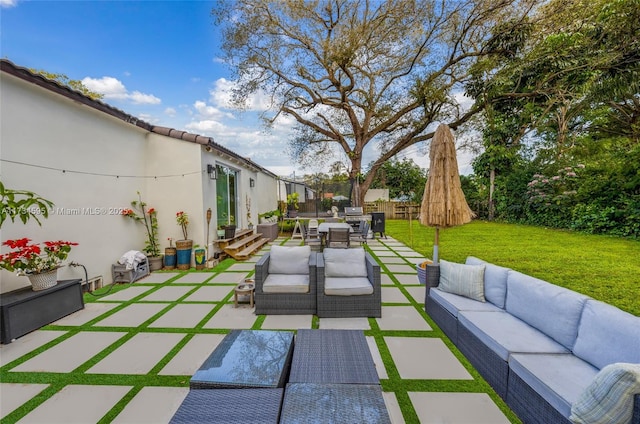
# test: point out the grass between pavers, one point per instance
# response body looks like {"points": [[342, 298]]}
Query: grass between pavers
{"points": [[603, 267], [394, 383]]}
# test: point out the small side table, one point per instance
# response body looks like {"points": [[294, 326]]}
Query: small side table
{"points": [[245, 288]]}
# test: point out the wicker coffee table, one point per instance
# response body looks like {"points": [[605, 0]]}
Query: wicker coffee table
{"points": [[332, 356]]}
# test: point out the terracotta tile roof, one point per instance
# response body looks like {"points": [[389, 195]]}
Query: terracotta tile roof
{"points": [[6, 66]]}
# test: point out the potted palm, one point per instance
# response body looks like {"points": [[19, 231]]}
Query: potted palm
{"points": [[39, 264], [185, 245]]}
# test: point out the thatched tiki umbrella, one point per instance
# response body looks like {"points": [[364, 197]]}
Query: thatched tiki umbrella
{"points": [[443, 202]]}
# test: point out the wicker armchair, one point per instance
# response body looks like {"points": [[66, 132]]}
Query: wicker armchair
{"points": [[349, 284], [280, 280]]}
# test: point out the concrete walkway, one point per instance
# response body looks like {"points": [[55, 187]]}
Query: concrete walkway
{"points": [[136, 349]]}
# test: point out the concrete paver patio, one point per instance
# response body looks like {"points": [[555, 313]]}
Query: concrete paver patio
{"points": [[130, 354]]}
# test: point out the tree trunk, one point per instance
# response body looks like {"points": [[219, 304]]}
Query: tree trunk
{"points": [[492, 182]]}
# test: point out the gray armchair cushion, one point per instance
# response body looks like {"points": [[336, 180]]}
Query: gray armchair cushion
{"points": [[495, 281], [551, 309], [607, 335], [344, 263], [286, 283], [289, 260], [347, 286]]}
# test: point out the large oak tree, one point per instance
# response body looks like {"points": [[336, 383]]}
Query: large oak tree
{"points": [[360, 73]]}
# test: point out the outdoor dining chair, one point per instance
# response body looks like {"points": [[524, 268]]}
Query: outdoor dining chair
{"points": [[339, 237], [360, 236], [311, 239]]}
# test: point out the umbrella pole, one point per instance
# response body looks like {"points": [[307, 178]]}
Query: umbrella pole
{"points": [[435, 246]]}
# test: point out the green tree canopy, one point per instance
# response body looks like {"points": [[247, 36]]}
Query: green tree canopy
{"points": [[404, 179], [358, 73]]}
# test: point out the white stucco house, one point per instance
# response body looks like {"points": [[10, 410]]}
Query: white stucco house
{"points": [[91, 159]]}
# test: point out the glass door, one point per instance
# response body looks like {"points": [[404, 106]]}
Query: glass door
{"points": [[226, 188]]}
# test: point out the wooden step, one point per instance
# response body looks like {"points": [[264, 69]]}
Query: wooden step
{"points": [[240, 234], [251, 249], [242, 243]]}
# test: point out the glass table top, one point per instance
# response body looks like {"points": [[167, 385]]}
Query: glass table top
{"points": [[247, 358]]}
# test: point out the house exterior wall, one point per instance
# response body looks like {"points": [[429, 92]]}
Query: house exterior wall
{"points": [[43, 130], [106, 161]]}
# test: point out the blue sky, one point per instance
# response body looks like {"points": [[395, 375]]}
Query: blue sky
{"points": [[157, 60]]}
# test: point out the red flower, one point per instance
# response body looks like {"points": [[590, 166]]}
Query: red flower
{"points": [[151, 211], [31, 258], [17, 244]]}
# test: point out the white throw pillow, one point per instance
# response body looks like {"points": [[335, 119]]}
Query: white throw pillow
{"points": [[289, 259], [463, 280], [344, 263]]}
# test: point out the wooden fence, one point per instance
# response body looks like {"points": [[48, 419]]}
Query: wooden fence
{"points": [[394, 210]]}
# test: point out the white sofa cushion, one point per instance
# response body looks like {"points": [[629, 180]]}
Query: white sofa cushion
{"points": [[558, 379], [344, 263], [454, 303], [289, 259], [286, 283], [552, 309], [505, 334], [347, 286], [463, 280], [607, 335]]}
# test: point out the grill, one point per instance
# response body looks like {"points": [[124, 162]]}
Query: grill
{"points": [[353, 215]]}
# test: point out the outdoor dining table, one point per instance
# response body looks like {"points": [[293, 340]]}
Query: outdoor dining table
{"points": [[323, 229]]}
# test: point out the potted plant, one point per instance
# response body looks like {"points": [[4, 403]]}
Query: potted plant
{"points": [[422, 271], [199, 255], [149, 218], [40, 265], [185, 245], [170, 255], [292, 204], [230, 230]]}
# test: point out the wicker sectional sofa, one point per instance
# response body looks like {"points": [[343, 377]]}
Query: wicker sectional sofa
{"points": [[537, 344]]}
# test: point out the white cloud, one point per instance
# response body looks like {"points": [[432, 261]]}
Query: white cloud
{"points": [[112, 88], [8, 3], [207, 126], [220, 95], [170, 111], [146, 99], [211, 112]]}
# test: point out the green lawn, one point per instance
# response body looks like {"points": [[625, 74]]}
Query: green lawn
{"points": [[605, 268]]}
